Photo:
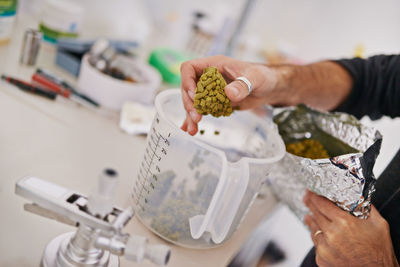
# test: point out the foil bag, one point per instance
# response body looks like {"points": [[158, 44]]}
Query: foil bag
{"points": [[346, 178]]}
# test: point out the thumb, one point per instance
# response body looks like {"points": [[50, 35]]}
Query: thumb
{"points": [[238, 90]]}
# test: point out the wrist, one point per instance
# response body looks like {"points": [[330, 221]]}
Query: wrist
{"points": [[284, 91]]}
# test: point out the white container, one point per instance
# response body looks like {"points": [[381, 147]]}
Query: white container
{"points": [[196, 190], [8, 11], [112, 93], [62, 16]]}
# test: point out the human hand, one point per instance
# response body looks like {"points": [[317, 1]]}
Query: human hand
{"points": [[346, 240], [262, 78]]}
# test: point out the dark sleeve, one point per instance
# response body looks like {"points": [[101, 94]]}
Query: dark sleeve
{"points": [[376, 86]]}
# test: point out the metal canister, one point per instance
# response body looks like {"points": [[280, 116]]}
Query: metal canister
{"points": [[30, 47]]}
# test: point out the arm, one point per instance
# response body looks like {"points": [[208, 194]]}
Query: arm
{"points": [[322, 85], [356, 86], [376, 88]]}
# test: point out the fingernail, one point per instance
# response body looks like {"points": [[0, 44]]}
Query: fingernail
{"points": [[194, 115], [191, 94], [234, 91]]}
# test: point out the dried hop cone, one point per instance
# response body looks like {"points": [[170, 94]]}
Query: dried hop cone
{"points": [[210, 97]]}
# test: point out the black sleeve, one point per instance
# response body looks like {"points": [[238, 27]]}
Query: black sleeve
{"points": [[376, 86]]}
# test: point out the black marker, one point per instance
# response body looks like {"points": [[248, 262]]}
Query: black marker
{"points": [[30, 88]]}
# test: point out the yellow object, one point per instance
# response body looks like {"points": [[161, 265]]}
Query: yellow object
{"points": [[308, 148], [210, 97], [359, 51]]}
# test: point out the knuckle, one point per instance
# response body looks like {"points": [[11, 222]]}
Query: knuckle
{"points": [[220, 57], [383, 223], [184, 65], [187, 103], [343, 223], [188, 106]]}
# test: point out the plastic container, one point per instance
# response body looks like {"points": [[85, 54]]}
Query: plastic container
{"points": [[112, 93], [60, 19], [195, 191], [168, 63], [8, 11]]}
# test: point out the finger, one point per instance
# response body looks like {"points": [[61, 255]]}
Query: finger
{"points": [[188, 78], [237, 90], [192, 69], [314, 227], [249, 102], [188, 104], [311, 223], [192, 127], [320, 254], [185, 125], [322, 221], [327, 207]]}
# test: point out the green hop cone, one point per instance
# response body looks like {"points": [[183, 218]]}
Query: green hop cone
{"points": [[210, 97]]}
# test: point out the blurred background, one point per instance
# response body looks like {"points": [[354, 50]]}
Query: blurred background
{"points": [[307, 30]]}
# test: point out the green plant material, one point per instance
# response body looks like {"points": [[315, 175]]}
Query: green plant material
{"points": [[170, 218], [308, 148], [210, 97], [172, 221], [202, 131], [216, 132]]}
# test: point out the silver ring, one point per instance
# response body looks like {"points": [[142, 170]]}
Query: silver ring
{"points": [[317, 233], [247, 82]]}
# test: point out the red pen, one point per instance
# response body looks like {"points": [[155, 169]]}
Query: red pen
{"points": [[50, 85]]}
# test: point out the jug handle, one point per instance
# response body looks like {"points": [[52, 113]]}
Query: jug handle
{"points": [[224, 203]]}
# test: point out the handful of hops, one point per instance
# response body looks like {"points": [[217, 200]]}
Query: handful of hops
{"points": [[210, 97]]}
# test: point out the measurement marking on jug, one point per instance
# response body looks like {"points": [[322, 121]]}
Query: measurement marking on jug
{"points": [[147, 179]]}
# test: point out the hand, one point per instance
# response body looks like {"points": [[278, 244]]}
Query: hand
{"points": [[346, 240], [262, 78]]}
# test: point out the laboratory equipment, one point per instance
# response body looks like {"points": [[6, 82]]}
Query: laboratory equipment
{"points": [[99, 239], [195, 190]]}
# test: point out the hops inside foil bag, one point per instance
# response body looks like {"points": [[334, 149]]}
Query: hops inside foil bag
{"points": [[331, 154]]}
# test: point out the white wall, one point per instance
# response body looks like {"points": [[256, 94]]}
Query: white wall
{"points": [[326, 29]]}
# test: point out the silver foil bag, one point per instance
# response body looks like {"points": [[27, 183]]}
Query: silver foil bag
{"points": [[346, 178]]}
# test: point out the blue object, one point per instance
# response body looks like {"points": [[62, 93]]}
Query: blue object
{"points": [[71, 50]]}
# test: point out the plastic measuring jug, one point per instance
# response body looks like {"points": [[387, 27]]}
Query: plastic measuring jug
{"points": [[195, 190]]}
